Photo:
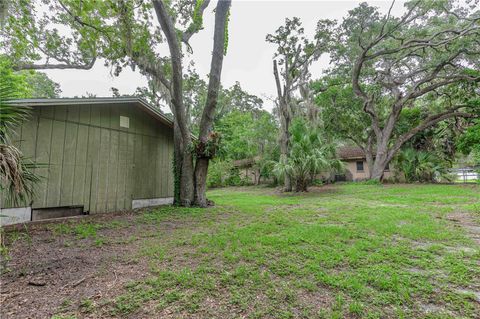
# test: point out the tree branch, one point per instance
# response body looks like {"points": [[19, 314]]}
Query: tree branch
{"points": [[48, 66], [427, 42], [221, 15], [277, 79], [427, 123], [193, 28], [83, 23], [169, 30]]}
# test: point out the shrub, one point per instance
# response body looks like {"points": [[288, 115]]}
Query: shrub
{"points": [[309, 155], [421, 166]]}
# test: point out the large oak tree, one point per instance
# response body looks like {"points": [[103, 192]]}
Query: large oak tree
{"points": [[429, 58], [136, 34]]}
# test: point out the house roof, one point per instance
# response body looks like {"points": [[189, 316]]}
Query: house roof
{"points": [[138, 102], [350, 152], [246, 162]]}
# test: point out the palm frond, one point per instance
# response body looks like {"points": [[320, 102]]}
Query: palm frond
{"points": [[17, 179], [309, 155], [11, 116]]}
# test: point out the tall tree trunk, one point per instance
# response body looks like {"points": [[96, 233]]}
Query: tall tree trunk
{"points": [[285, 140], [369, 156], [378, 170], [182, 140], [369, 160], [201, 170], [183, 188], [187, 180], [284, 114], [206, 122], [381, 159], [257, 176], [192, 183]]}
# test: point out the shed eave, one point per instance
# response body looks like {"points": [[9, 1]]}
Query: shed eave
{"points": [[139, 102]]}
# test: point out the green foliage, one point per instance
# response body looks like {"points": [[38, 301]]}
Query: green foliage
{"points": [[17, 178], [233, 177], [41, 86], [309, 155], [246, 131], [469, 142], [27, 84], [225, 46], [245, 134], [341, 110], [16, 82], [216, 173], [437, 141], [123, 33], [399, 66], [421, 166], [197, 18], [224, 173]]}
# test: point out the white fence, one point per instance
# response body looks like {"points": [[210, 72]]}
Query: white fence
{"points": [[466, 175]]}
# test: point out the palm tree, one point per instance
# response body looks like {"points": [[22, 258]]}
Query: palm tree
{"points": [[309, 155], [421, 166], [17, 179]]}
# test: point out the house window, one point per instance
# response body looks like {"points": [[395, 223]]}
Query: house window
{"points": [[359, 166], [387, 168]]}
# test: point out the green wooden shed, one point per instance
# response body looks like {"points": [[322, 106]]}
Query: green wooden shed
{"points": [[99, 155]]}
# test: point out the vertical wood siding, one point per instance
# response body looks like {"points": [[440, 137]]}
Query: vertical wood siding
{"points": [[90, 160]]}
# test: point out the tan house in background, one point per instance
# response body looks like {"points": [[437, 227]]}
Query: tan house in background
{"points": [[356, 168]]}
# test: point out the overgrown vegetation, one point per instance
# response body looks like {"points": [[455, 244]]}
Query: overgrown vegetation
{"points": [[309, 154], [469, 143], [420, 166], [17, 179]]}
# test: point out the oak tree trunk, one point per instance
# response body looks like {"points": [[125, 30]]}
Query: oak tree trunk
{"points": [[257, 176], [380, 161], [285, 118], [369, 160], [183, 192], [201, 170], [206, 122], [284, 141]]}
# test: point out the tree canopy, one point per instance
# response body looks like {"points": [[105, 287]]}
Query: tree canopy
{"points": [[426, 59]]}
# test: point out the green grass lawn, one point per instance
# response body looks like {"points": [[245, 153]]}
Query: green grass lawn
{"points": [[347, 251], [356, 250]]}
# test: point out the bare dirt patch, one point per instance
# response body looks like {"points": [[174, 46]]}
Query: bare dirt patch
{"points": [[48, 273], [468, 223]]}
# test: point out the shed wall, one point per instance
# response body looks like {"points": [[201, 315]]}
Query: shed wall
{"points": [[89, 160]]}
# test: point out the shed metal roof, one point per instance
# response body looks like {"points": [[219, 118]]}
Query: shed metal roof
{"points": [[138, 102]]}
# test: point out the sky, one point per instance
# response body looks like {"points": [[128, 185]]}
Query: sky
{"points": [[249, 57]]}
